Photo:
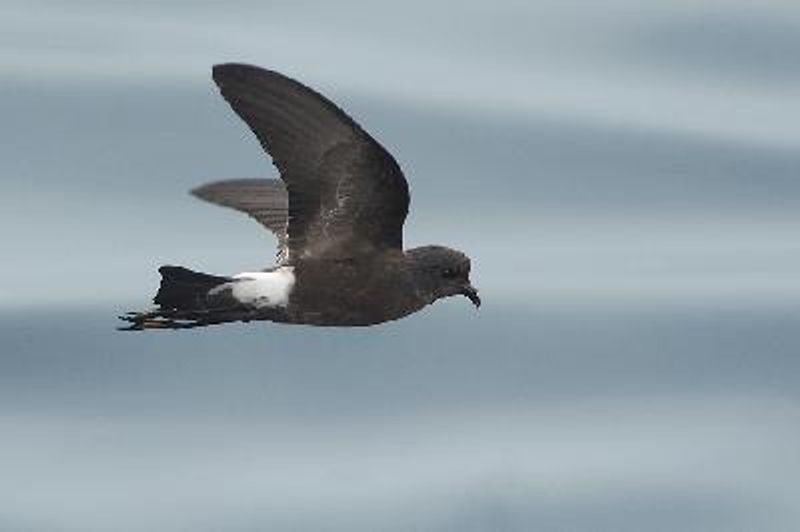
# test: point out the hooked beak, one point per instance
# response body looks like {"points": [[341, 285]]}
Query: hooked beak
{"points": [[472, 293]]}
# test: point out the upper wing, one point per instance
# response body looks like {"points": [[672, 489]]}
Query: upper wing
{"points": [[347, 194], [266, 200]]}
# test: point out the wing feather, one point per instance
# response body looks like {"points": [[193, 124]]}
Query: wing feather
{"points": [[265, 200], [346, 193]]}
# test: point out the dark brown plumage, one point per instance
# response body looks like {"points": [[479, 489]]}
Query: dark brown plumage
{"points": [[338, 215]]}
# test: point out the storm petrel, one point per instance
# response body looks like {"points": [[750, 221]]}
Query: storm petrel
{"points": [[337, 212]]}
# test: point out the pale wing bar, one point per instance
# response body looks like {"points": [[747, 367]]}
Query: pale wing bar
{"points": [[346, 193]]}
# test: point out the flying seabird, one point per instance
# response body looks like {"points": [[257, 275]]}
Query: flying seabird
{"points": [[337, 212]]}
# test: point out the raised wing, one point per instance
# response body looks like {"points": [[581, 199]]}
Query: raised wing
{"points": [[266, 200], [347, 194]]}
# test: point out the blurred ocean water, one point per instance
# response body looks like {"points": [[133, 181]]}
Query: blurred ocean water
{"points": [[524, 417], [624, 175]]}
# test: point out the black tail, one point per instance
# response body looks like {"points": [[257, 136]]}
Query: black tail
{"points": [[183, 289], [183, 302]]}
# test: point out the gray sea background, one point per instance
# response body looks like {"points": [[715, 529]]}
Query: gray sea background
{"points": [[625, 176]]}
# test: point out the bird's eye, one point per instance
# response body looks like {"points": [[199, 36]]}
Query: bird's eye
{"points": [[449, 273]]}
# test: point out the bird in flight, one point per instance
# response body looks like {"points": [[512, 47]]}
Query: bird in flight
{"points": [[337, 212]]}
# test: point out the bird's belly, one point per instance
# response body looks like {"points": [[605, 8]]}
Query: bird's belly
{"points": [[346, 301], [345, 315]]}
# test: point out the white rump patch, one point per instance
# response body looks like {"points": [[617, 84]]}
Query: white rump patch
{"points": [[262, 289]]}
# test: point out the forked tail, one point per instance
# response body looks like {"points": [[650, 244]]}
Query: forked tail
{"points": [[184, 289], [184, 301]]}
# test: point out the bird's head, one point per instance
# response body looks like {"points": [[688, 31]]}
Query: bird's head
{"points": [[443, 272]]}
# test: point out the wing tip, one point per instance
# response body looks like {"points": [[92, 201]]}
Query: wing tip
{"points": [[222, 69], [208, 191], [202, 191], [227, 72]]}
